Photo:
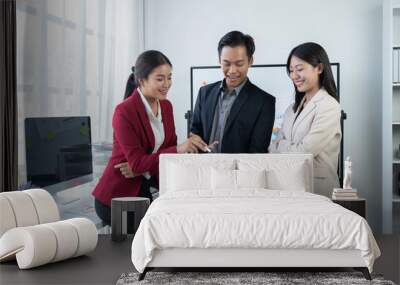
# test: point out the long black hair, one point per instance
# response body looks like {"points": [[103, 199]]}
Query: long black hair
{"points": [[313, 54], [130, 84]]}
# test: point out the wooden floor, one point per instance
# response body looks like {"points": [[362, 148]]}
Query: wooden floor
{"points": [[110, 260], [389, 262], [102, 266]]}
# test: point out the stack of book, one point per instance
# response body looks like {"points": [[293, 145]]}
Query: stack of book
{"points": [[344, 194]]}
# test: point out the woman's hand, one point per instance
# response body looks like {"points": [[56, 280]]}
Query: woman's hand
{"points": [[212, 145], [125, 169], [194, 144], [187, 147], [203, 145]]}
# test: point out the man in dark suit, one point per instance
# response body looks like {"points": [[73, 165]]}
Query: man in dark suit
{"points": [[234, 115]]}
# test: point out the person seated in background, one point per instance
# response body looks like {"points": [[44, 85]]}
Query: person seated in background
{"points": [[234, 115], [143, 129], [312, 123]]}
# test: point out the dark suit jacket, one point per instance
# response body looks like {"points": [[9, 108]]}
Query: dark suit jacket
{"points": [[134, 143], [249, 125]]}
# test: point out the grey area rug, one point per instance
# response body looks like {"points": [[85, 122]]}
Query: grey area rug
{"points": [[229, 278]]}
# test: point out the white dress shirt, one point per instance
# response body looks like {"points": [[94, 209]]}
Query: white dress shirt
{"points": [[156, 125]]}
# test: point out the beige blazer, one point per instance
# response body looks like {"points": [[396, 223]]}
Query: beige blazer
{"points": [[316, 130]]}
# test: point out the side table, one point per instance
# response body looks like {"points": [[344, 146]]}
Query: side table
{"points": [[119, 208], [358, 205]]}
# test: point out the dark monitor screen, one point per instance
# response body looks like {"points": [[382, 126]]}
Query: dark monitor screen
{"points": [[57, 149]]}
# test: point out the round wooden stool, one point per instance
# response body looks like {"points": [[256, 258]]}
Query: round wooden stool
{"points": [[119, 208]]}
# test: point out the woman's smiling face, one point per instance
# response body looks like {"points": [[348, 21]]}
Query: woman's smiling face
{"points": [[158, 83], [304, 76]]}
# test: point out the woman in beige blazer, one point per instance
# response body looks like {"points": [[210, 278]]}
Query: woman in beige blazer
{"points": [[312, 123]]}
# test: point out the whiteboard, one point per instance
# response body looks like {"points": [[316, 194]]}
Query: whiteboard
{"points": [[272, 78]]}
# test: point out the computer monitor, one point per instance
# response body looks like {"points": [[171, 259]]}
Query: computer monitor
{"points": [[57, 149]]}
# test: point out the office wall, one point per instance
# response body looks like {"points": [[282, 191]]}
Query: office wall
{"points": [[350, 30]]}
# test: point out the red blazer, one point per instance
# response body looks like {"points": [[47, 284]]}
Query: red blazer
{"points": [[134, 143]]}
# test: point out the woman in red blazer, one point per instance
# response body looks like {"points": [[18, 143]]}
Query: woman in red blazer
{"points": [[143, 129]]}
